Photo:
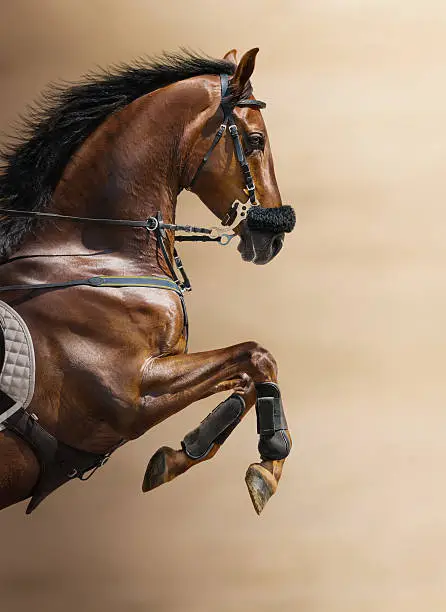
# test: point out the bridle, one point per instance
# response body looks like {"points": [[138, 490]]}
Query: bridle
{"points": [[236, 214]]}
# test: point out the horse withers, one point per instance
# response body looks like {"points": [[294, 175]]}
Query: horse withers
{"points": [[89, 267]]}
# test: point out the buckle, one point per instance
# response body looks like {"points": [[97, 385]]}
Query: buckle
{"points": [[152, 223], [231, 214], [233, 129]]}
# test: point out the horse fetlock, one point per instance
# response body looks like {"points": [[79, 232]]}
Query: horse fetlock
{"points": [[215, 428], [275, 447], [165, 465]]}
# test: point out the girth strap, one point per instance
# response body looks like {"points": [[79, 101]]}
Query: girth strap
{"points": [[59, 462], [151, 282], [8, 407], [103, 281]]}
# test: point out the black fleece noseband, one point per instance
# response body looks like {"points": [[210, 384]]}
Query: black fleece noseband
{"points": [[276, 220]]}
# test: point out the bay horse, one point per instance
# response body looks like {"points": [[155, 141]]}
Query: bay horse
{"points": [[88, 262]]}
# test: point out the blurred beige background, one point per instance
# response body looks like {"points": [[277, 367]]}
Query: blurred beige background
{"points": [[354, 309]]}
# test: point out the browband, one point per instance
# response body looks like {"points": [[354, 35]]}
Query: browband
{"points": [[254, 103]]}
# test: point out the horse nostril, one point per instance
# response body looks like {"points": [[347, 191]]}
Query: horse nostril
{"points": [[277, 244]]}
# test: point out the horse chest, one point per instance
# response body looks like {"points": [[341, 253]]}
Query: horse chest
{"points": [[119, 325], [134, 320]]}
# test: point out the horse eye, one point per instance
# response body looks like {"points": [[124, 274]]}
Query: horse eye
{"points": [[256, 141]]}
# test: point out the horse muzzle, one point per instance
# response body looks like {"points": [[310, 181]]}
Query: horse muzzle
{"points": [[262, 235], [259, 247]]}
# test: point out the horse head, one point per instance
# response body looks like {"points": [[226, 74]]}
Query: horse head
{"points": [[233, 174]]}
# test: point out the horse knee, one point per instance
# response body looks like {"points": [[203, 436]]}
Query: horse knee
{"points": [[262, 363]]}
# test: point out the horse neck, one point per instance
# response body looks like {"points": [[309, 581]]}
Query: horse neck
{"points": [[128, 169]]}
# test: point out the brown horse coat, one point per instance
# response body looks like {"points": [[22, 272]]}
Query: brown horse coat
{"points": [[111, 362]]}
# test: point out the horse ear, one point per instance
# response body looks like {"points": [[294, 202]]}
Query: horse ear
{"points": [[231, 56], [244, 70]]}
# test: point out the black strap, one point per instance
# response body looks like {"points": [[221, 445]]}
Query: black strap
{"points": [[149, 225], [151, 282], [6, 402], [160, 233], [186, 286], [224, 84], [30, 213], [253, 103], [247, 177], [197, 239], [59, 462], [103, 281], [185, 228], [215, 142]]}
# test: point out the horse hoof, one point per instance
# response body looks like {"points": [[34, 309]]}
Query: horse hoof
{"points": [[261, 485], [157, 472]]}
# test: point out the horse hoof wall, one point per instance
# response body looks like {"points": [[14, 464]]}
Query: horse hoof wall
{"points": [[261, 485], [157, 472]]}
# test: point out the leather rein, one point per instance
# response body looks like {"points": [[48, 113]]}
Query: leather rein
{"points": [[237, 213]]}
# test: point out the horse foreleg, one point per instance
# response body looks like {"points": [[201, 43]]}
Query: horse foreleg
{"points": [[201, 444], [244, 369]]}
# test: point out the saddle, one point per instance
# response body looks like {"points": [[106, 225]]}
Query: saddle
{"points": [[58, 461]]}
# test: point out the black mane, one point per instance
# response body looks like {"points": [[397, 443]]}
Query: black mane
{"points": [[65, 117]]}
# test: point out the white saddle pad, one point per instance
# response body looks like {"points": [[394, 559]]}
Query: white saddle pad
{"points": [[17, 377]]}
